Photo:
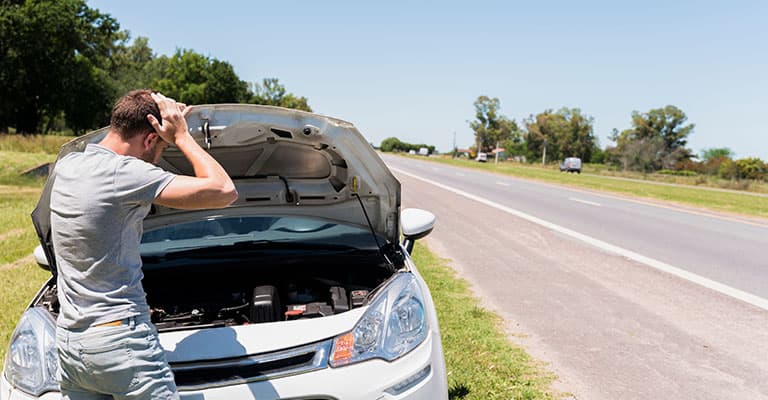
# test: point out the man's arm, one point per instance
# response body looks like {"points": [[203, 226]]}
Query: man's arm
{"points": [[211, 187]]}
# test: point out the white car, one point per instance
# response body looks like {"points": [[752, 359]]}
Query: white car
{"points": [[301, 289], [570, 165]]}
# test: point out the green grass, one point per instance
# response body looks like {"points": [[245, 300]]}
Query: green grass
{"points": [[48, 144], [13, 163], [715, 200], [16, 230], [482, 363], [19, 279], [678, 177], [17, 286]]}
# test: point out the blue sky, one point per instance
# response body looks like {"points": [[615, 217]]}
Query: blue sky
{"points": [[413, 69]]}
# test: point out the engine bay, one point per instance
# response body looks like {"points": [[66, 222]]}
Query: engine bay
{"points": [[290, 300], [187, 294]]}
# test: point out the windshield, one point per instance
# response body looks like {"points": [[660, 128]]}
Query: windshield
{"points": [[230, 231]]}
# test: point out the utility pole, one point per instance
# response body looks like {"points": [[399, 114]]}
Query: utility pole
{"points": [[454, 145], [544, 154], [497, 153]]}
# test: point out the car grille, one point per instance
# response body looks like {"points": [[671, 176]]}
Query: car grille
{"points": [[197, 375]]}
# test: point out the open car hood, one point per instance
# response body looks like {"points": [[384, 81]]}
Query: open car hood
{"points": [[283, 162]]}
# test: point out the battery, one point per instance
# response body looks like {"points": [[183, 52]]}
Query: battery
{"points": [[339, 299], [265, 304]]}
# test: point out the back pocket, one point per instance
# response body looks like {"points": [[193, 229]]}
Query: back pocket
{"points": [[109, 363]]}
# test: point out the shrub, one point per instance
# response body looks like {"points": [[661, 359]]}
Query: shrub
{"points": [[745, 168], [712, 165], [751, 168]]}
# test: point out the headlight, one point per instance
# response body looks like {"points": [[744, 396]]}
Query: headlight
{"points": [[394, 324], [32, 363]]}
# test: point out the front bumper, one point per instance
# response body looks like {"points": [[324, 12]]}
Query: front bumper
{"points": [[418, 375]]}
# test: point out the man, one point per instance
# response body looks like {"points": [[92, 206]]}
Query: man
{"points": [[108, 348]]}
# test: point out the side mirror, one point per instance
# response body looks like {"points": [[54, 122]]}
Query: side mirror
{"points": [[41, 259], [415, 224]]}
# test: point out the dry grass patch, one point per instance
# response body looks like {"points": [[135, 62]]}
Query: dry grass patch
{"points": [[48, 144]]}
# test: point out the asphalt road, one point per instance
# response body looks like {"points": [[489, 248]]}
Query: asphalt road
{"points": [[610, 326], [726, 250]]}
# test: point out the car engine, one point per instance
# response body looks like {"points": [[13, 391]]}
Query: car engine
{"points": [[264, 303]]}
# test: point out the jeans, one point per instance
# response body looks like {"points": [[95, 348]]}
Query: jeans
{"points": [[119, 362]]}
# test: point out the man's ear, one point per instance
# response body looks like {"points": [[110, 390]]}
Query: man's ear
{"points": [[149, 140]]}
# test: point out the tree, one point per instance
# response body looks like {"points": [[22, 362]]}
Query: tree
{"points": [[48, 50], [577, 139], [566, 133], [514, 144], [128, 65], [224, 86], [656, 140], [393, 144], [491, 127], [712, 159], [713, 153], [272, 93], [193, 78], [63, 61]]}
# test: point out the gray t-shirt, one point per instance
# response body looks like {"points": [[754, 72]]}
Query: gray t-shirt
{"points": [[98, 203]]}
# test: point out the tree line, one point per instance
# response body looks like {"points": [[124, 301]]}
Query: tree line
{"points": [[655, 141], [393, 144], [63, 65]]}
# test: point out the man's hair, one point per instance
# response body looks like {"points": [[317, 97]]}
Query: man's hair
{"points": [[129, 115]]}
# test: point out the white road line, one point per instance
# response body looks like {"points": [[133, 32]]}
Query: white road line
{"points": [[591, 203], [434, 169], [649, 202], [459, 174], [503, 184], [659, 265]]}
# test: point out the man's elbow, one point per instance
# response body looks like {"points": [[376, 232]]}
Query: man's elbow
{"points": [[226, 196], [230, 194]]}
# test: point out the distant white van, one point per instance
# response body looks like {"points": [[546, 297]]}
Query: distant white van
{"points": [[571, 164], [482, 157], [423, 151]]}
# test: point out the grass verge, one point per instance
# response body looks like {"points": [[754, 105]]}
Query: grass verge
{"points": [[16, 231], [482, 363], [20, 276], [48, 144], [13, 163], [716, 200], [17, 286]]}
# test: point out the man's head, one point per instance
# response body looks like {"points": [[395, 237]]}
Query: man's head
{"points": [[129, 121], [129, 115]]}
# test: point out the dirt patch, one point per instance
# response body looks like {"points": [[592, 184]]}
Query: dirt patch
{"points": [[18, 263], [11, 233], [7, 189]]}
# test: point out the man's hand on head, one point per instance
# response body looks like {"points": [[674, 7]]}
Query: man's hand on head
{"points": [[174, 126]]}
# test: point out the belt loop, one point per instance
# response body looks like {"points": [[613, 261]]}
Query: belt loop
{"points": [[132, 322]]}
